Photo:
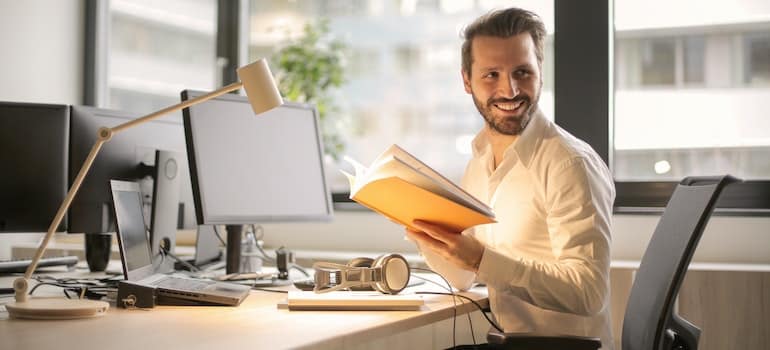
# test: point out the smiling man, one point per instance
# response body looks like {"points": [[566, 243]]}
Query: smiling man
{"points": [[546, 260]]}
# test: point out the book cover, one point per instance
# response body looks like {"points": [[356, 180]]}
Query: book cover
{"points": [[403, 189]]}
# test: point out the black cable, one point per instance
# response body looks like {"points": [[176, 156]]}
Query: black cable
{"points": [[80, 291], [164, 252], [454, 301], [491, 322], [216, 233]]}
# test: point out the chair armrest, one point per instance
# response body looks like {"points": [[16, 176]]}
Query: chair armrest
{"points": [[530, 341]]}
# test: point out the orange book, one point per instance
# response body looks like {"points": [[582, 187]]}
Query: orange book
{"points": [[403, 189]]}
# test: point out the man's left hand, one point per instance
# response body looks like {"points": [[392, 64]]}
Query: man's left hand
{"points": [[461, 250]]}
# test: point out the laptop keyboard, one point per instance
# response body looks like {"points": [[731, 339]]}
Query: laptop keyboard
{"points": [[182, 284]]}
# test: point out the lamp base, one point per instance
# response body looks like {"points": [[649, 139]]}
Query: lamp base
{"points": [[56, 308]]}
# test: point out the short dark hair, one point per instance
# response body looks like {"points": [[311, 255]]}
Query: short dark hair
{"points": [[503, 24]]}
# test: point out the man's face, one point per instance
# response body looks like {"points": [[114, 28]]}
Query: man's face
{"points": [[504, 81]]}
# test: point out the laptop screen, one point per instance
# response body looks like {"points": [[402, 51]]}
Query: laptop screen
{"points": [[132, 233]]}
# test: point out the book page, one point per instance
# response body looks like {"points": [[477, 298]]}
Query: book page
{"points": [[396, 167], [448, 185]]}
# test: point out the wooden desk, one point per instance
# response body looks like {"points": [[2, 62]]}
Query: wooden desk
{"points": [[256, 324]]}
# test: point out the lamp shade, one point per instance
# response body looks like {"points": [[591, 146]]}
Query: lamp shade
{"points": [[260, 86]]}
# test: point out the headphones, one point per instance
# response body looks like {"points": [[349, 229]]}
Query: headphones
{"points": [[387, 274]]}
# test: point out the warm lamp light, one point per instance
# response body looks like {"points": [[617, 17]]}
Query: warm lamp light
{"points": [[263, 95]]}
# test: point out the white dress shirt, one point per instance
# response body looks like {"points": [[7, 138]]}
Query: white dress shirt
{"points": [[546, 260]]}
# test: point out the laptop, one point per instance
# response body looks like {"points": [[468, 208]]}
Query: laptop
{"points": [[137, 262]]}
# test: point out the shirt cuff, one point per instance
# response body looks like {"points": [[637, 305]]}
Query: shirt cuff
{"points": [[496, 269]]}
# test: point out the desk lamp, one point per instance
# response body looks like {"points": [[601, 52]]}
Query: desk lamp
{"points": [[262, 94]]}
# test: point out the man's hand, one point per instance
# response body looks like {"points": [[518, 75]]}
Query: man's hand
{"points": [[461, 250]]}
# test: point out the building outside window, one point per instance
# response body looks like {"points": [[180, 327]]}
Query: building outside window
{"points": [[156, 50], [691, 89]]}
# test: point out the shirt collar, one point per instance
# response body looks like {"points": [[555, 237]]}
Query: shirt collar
{"points": [[525, 145]]}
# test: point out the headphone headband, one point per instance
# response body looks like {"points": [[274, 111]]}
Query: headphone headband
{"points": [[387, 274]]}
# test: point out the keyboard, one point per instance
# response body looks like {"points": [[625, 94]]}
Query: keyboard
{"points": [[20, 265], [183, 284]]}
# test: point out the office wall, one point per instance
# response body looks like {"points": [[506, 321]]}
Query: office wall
{"points": [[42, 50], [744, 240]]}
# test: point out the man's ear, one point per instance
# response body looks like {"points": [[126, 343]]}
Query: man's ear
{"points": [[466, 81]]}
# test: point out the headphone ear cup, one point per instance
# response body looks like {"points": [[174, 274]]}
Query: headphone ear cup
{"points": [[395, 273], [361, 262]]}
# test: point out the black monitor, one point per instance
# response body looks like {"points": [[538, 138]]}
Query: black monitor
{"points": [[129, 155], [249, 169], [33, 159]]}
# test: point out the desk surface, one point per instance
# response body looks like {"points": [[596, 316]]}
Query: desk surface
{"points": [[257, 324]]}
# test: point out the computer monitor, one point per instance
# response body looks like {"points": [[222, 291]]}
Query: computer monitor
{"points": [[248, 169], [129, 155], [33, 158]]}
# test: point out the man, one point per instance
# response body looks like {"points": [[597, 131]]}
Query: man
{"points": [[546, 260]]}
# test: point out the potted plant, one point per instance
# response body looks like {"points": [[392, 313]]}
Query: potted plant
{"points": [[308, 70]]}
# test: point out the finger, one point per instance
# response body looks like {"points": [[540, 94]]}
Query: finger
{"points": [[435, 231], [424, 239], [409, 229], [433, 227]]}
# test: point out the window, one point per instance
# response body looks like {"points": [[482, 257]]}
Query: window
{"points": [[694, 52], [689, 89], [403, 72], [758, 59], [151, 51], [704, 116], [658, 61]]}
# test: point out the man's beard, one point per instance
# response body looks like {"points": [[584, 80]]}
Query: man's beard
{"points": [[508, 125]]}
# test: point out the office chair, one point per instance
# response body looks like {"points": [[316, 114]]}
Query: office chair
{"points": [[650, 321]]}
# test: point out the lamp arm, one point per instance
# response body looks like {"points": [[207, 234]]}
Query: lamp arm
{"points": [[21, 285], [177, 107]]}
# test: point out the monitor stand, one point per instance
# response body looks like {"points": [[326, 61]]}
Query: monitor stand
{"points": [[233, 253], [165, 208]]}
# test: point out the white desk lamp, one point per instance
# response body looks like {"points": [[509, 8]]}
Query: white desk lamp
{"points": [[263, 95]]}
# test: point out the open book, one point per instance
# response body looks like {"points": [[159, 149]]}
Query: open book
{"points": [[402, 188]]}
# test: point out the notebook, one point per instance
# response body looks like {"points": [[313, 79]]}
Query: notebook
{"points": [[137, 262], [352, 300]]}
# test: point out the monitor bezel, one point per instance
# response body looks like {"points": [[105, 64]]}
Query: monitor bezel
{"points": [[193, 164], [43, 205]]}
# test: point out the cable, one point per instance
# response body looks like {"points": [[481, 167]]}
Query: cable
{"points": [[454, 301], [298, 268], [164, 252], [259, 233], [216, 233], [491, 322], [91, 289]]}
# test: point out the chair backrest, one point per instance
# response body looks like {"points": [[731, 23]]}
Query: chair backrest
{"points": [[650, 321]]}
